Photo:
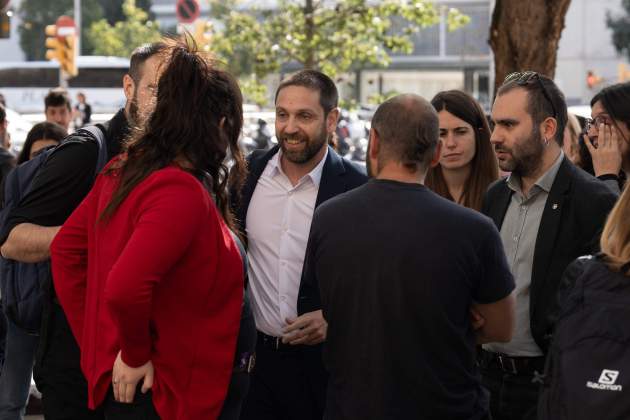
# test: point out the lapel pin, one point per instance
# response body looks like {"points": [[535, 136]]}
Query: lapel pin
{"points": [[555, 206]]}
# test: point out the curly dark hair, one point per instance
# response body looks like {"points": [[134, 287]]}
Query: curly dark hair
{"points": [[198, 117]]}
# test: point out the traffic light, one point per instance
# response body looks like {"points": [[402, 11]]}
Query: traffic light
{"points": [[623, 73], [62, 49], [5, 23], [592, 79]]}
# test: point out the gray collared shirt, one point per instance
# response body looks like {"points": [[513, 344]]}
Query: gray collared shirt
{"points": [[518, 233]]}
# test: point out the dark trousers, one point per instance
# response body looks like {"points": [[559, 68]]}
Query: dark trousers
{"points": [[512, 396], [140, 409], [237, 391], [279, 388], [58, 372]]}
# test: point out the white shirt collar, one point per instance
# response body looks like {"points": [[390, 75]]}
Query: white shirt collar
{"points": [[315, 175]]}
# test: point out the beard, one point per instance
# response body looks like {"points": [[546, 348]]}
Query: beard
{"points": [[134, 112], [525, 156], [138, 117], [312, 145]]}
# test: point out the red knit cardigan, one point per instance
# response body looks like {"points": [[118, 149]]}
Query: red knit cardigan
{"points": [[161, 280]]}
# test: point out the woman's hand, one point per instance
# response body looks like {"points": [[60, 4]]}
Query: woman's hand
{"points": [[607, 155], [125, 379]]}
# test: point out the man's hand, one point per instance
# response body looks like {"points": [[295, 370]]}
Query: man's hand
{"points": [[309, 329], [125, 379]]}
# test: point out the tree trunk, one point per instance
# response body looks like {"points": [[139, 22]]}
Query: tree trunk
{"points": [[524, 35]]}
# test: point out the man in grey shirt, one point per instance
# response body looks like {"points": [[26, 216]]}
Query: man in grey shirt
{"points": [[548, 213]]}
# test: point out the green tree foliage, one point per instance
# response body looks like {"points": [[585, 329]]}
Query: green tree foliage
{"points": [[332, 36], [328, 35], [620, 27], [124, 36], [36, 14], [113, 9]]}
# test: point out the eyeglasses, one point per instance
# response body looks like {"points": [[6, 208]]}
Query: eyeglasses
{"points": [[596, 122], [523, 78]]}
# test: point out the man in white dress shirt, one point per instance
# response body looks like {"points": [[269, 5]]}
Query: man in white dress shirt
{"points": [[275, 209]]}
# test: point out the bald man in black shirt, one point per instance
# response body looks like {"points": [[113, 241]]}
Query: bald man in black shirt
{"points": [[399, 270]]}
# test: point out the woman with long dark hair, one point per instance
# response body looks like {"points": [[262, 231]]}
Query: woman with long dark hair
{"points": [[608, 135], [467, 162], [40, 137], [146, 268]]}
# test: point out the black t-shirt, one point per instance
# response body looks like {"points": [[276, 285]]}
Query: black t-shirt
{"points": [[398, 269], [64, 180]]}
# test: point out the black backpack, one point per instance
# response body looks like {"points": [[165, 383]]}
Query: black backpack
{"points": [[587, 374], [21, 283]]}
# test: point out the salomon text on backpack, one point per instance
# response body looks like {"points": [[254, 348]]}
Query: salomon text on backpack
{"points": [[587, 375]]}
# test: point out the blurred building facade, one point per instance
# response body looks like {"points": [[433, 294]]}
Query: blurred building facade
{"points": [[450, 60], [586, 45]]}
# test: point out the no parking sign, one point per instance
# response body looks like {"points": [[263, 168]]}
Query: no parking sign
{"points": [[187, 11]]}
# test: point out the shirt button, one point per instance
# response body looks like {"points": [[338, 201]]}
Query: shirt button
{"points": [[515, 239], [290, 193], [283, 263], [283, 298]]}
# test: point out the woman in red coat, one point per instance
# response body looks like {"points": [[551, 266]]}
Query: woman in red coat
{"points": [[146, 269]]}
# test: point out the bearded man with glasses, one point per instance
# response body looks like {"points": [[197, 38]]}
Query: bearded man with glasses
{"points": [[548, 212]]}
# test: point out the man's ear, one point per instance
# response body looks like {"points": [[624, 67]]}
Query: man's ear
{"points": [[331, 120], [375, 144], [549, 129], [435, 160], [129, 87]]}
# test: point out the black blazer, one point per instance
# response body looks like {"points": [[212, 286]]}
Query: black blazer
{"points": [[338, 176], [571, 224]]}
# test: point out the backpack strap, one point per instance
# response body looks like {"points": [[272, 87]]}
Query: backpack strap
{"points": [[97, 133]]}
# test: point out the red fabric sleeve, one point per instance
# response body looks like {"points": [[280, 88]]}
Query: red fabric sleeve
{"points": [[68, 252], [167, 211]]}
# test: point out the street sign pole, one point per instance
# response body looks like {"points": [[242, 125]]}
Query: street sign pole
{"points": [[63, 79]]}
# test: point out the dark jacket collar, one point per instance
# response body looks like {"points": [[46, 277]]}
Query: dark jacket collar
{"points": [[550, 221]]}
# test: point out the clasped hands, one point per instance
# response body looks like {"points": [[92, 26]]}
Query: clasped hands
{"points": [[309, 328]]}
